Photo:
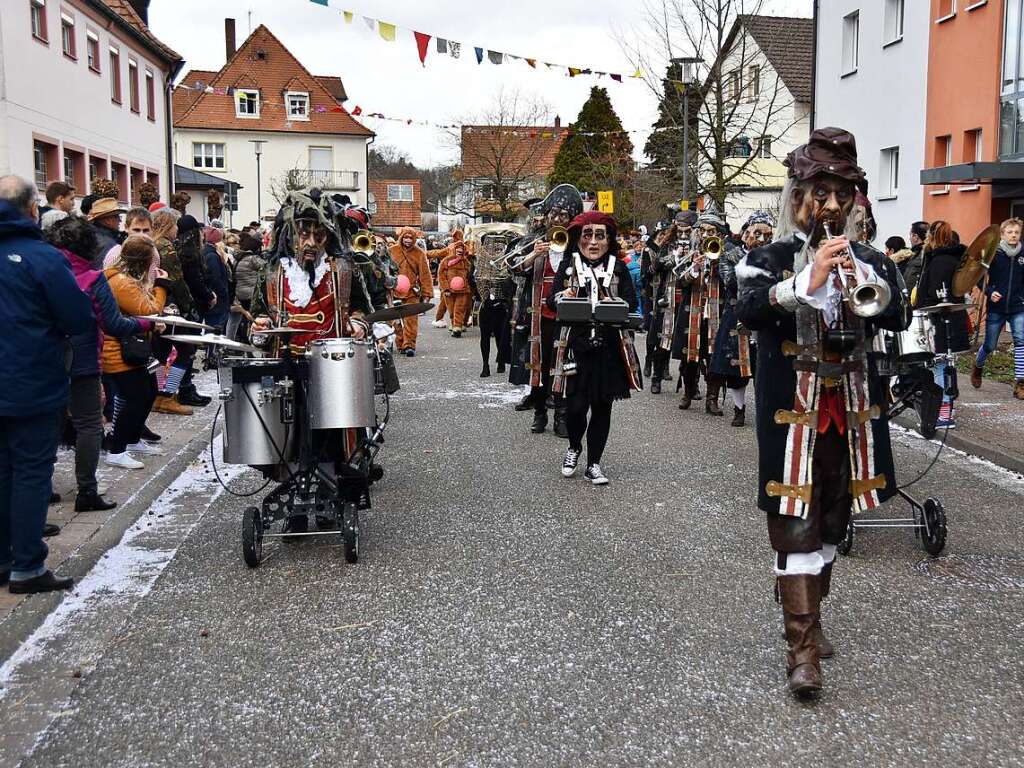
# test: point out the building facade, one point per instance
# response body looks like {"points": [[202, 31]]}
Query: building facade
{"points": [[84, 95], [872, 79], [266, 123], [398, 203]]}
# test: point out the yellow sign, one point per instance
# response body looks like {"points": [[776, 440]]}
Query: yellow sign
{"points": [[684, 205], [606, 201]]}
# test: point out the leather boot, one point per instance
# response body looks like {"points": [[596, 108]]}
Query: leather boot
{"points": [[825, 648], [648, 365], [689, 390], [486, 372], [170, 404], [656, 379], [560, 428], [540, 422], [711, 404], [801, 598], [739, 416], [976, 377], [1018, 389], [526, 403]]}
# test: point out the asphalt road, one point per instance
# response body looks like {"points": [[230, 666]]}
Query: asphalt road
{"points": [[502, 615]]}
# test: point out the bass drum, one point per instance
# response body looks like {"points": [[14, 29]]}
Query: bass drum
{"points": [[254, 432], [341, 384]]}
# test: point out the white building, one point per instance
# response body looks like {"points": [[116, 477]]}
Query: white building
{"points": [[766, 71], [83, 94], [872, 80], [264, 94]]}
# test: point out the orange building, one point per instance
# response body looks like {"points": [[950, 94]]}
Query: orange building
{"points": [[973, 176]]}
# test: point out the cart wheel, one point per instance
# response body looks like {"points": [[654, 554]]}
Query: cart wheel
{"points": [[844, 546], [252, 536], [934, 538], [350, 530]]}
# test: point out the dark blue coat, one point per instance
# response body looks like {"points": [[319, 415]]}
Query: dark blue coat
{"points": [[40, 307], [218, 281], [1006, 276], [108, 321]]}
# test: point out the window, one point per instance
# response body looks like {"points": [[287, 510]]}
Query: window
{"points": [[764, 147], [889, 172], [37, 12], [97, 169], [943, 156], [67, 36], [851, 42], [1011, 110], [298, 105], [321, 159], [41, 164], [946, 9], [893, 23], [400, 193], [69, 170], [753, 82], [133, 85], [208, 155], [972, 146], [115, 75], [735, 84], [740, 147], [92, 50], [150, 95], [247, 103]]}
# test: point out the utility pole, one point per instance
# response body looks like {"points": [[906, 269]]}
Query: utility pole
{"points": [[686, 73], [257, 145]]}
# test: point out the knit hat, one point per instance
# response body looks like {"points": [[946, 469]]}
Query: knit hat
{"points": [[154, 207], [760, 217], [186, 223], [213, 234], [710, 215]]}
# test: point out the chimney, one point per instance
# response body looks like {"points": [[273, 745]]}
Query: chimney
{"points": [[141, 7], [558, 121], [229, 39]]}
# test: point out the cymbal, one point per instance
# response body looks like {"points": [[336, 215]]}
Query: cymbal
{"points": [[397, 313], [282, 331], [976, 260], [214, 339], [177, 321], [945, 307]]}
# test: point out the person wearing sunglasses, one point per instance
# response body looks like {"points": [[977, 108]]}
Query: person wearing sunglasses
{"points": [[595, 363]]}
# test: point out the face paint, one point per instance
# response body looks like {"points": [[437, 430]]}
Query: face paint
{"points": [[312, 237], [594, 241]]}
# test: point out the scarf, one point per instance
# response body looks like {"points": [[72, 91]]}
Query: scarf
{"points": [[300, 284], [1009, 250]]}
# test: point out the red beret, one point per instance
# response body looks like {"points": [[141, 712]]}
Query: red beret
{"points": [[593, 217], [154, 207]]}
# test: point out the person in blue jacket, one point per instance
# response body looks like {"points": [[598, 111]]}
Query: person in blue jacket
{"points": [[41, 306], [1005, 293]]}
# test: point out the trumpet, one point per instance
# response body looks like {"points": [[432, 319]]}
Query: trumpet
{"points": [[363, 242], [866, 299], [557, 241], [711, 247]]}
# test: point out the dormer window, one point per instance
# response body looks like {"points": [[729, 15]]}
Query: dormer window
{"points": [[247, 103], [298, 105]]}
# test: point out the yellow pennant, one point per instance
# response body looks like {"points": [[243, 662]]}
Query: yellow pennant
{"points": [[387, 31]]}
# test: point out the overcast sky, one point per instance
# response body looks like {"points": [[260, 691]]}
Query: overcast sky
{"points": [[387, 77]]}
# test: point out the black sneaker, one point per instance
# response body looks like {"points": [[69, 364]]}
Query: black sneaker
{"points": [[92, 502], [46, 582], [149, 435], [486, 372], [595, 475], [55, 498], [50, 530], [571, 462], [191, 397]]}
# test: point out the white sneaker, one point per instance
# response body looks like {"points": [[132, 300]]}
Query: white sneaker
{"points": [[146, 449], [595, 475], [123, 460], [571, 462], [439, 324]]}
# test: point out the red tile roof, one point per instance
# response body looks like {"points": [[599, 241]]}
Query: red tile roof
{"points": [[395, 214], [183, 98], [262, 62], [130, 19], [521, 151]]}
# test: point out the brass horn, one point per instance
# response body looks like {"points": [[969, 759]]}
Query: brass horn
{"points": [[558, 239], [711, 247], [868, 298], [363, 242]]}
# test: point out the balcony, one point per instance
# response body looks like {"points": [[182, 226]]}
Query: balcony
{"points": [[327, 180]]}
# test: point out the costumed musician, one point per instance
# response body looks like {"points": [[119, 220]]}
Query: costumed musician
{"points": [[534, 329], [494, 290], [595, 364], [822, 430]]}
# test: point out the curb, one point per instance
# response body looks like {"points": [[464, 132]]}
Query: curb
{"points": [[30, 615], [963, 443]]}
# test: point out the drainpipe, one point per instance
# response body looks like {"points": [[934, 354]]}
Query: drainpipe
{"points": [[366, 172], [814, 65], [168, 90]]}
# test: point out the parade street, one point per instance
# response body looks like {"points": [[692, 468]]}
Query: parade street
{"points": [[501, 615]]}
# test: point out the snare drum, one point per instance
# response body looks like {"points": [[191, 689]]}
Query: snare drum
{"points": [[341, 384], [917, 343], [254, 430]]}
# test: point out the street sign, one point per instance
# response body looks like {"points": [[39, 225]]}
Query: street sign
{"points": [[606, 201], [684, 205]]}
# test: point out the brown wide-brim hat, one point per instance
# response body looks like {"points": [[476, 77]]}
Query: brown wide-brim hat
{"points": [[831, 151], [105, 206]]}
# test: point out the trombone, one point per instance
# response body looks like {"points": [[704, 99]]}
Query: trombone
{"points": [[557, 239], [364, 242]]}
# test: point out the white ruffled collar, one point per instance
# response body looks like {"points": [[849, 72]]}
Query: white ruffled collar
{"points": [[297, 279]]}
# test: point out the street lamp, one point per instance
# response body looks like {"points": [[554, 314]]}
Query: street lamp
{"points": [[686, 78], [257, 145]]}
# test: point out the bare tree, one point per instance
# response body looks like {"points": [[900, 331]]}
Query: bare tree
{"points": [[502, 149], [741, 101]]}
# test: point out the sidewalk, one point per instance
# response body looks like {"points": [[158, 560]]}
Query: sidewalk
{"points": [[86, 536], [989, 423]]}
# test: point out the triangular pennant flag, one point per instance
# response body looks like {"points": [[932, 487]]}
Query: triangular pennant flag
{"points": [[496, 57], [617, 78], [546, 135], [455, 49], [638, 73], [357, 111], [442, 45], [422, 41], [409, 121], [348, 16], [321, 109], [337, 109], [371, 23], [386, 31], [321, 2], [532, 63], [479, 55], [573, 71]]}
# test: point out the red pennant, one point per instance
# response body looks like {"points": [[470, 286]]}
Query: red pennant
{"points": [[337, 109], [422, 41], [357, 111], [617, 78]]}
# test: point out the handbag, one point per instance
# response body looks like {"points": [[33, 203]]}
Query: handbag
{"points": [[136, 349]]}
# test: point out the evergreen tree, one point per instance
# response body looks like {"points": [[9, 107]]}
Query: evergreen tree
{"points": [[664, 146], [597, 154]]}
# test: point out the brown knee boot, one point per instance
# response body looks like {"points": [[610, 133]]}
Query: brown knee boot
{"points": [[711, 404], [825, 649], [801, 597], [689, 389]]}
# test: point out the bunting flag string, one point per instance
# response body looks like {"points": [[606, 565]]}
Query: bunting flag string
{"points": [[388, 32]]}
